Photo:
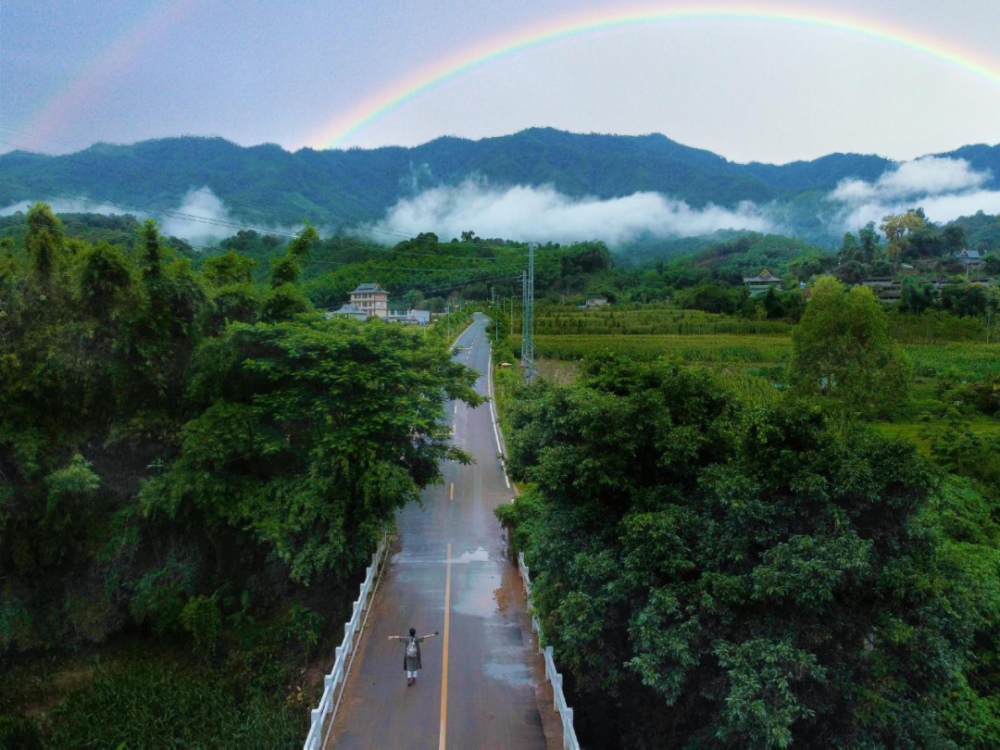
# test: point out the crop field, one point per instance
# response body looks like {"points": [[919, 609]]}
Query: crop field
{"points": [[644, 320], [956, 360]]}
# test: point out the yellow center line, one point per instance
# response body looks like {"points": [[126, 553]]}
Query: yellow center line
{"points": [[444, 654], [451, 492]]}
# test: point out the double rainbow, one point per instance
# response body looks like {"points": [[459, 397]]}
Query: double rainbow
{"points": [[101, 70], [382, 102]]}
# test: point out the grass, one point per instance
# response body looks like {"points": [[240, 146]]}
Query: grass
{"points": [[752, 362], [914, 431], [961, 361]]}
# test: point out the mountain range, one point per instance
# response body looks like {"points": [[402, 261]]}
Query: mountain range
{"points": [[341, 188]]}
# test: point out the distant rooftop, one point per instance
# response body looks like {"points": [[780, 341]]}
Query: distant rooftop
{"points": [[970, 254], [363, 288], [764, 275]]}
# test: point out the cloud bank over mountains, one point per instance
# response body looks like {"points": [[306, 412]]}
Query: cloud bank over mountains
{"points": [[945, 188], [526, 213], [201, 218]]}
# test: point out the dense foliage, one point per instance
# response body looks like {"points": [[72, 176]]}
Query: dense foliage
{"points": [[716, 575], [843, 349], [196, 457]]}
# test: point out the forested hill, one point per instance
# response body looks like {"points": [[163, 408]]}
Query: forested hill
{"points": [[336, 187]]}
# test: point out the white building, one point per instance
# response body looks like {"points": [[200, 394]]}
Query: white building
{"points": [[411, 317], [372, 299]]}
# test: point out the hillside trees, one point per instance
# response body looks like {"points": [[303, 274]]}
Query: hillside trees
{"points": [[172, 438], [715, 576]]}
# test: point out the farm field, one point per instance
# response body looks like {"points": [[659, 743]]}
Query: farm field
{"points": [[753, 363], [958, 360]]}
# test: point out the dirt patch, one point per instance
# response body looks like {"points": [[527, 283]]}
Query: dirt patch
{"points": [[558, 371]]}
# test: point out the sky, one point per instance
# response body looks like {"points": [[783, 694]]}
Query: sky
{"points": [[73, 72]]}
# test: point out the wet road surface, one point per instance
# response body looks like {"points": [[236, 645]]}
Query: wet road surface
{"points": [[480, 686]]}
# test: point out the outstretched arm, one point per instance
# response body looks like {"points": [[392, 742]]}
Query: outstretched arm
{"points": [[396, 638], [431, 635]]}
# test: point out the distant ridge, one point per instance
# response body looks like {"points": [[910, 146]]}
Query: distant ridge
{"points": [[266, 183]]}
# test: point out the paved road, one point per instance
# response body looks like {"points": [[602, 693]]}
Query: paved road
{"points": [[480, 686]]}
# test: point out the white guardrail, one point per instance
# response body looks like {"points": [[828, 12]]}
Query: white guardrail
{"points": [[330, 701], [558, 698]]}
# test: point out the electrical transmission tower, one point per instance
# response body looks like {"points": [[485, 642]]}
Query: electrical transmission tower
{"points": [[528, 316]]}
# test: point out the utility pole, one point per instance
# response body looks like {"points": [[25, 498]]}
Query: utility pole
{"points": [[528, 316]]}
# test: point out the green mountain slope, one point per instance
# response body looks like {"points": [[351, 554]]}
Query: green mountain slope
{"points": [[340, 188]]}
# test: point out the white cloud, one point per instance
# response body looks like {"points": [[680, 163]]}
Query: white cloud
{"points": [[201, 218], [196, 219], [542, 213], [945, 188], [61, 206]]}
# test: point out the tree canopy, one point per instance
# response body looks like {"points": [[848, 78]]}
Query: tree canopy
{"points": [[715, 575]]}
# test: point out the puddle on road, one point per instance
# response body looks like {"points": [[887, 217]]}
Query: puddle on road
{"points": [[475, 596], [480, 555]]}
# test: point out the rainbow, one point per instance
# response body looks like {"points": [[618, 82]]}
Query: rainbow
{"points": [[412, 86], [99, 72]]}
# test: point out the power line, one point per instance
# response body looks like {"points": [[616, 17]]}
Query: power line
{"points": [[528, 316], [468, 282]]}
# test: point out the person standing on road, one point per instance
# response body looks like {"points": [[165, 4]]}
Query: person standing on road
{"points": [[411, 660]]}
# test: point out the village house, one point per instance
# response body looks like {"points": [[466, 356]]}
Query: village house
{"points": [[410, 317], [969, 258], [350, 311], [590, 304], [758, 285], [371, 299]]}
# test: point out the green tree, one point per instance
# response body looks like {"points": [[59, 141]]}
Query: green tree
{"points": [[898, 230], [104, 277], [842, 348], [310, 434], [718, 576], [44, 241]]}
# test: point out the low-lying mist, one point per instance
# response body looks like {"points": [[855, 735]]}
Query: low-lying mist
{"points": [[945, 188], [201, 218], [526, 213]]}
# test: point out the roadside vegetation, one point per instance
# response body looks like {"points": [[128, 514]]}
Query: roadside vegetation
{"points": [[756, 521], [195, 466], [722, 563]]}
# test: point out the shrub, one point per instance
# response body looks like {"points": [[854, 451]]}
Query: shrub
{"points": [[131, 704], [160, 594], [202, 619]]}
